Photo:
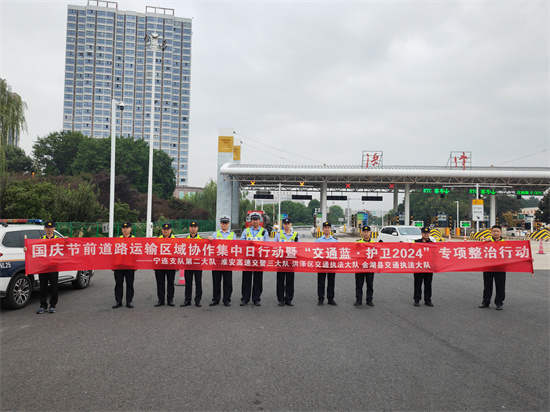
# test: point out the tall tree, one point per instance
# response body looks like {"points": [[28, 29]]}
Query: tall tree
{"points": [[543, 214], [12, 118], [17, 161], [55, 153]]}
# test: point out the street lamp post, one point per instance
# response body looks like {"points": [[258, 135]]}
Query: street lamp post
{"points": [[153, 43], [114, 105], [457, 207]]}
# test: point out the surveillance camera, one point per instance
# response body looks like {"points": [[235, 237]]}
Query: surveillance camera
{"points": [[121, 105]]}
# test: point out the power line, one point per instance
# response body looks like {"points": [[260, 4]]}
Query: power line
{"points": [[523, 157], [272, 147]]}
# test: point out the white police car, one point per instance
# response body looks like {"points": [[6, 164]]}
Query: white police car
{"points": [[15, 286]]}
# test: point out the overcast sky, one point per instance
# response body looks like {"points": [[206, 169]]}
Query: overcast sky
{"points": [[327, 80]]}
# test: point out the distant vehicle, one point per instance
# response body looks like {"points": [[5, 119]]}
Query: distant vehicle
{"points": [[514, 231], [265, 221], [15, 286], [399, 233]]}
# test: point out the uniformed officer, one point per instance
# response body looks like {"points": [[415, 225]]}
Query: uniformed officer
{"points": [[226, 275], [254, 233], [122, 274], [165, 278], [189, 274], [425, 278], [360, 278], [52, 278], [499, 277], [327, 237], [285, 293]]}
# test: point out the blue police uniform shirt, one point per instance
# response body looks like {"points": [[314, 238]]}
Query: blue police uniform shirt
{"points": [[224, 235], [254, 233], [323, 239]]}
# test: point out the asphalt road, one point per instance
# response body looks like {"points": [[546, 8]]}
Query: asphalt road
{"points": [[392, 356]]}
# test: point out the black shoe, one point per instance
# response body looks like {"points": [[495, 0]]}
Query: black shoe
{"points": [[171, 303], [416, 303], [332, 302], [257, 304], [484, 305], [289, 303], [281, 303], [129, 305], [357, 303], [243, 303], [41, 310], [159, 303], [184, 304], [214, 303], [369, 303], [429, 303], [198, 304], [499, 307], [320, 303], [52, 309], [226, 303], [117, 305]]}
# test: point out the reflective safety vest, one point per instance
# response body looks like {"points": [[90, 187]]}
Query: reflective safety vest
{"points": [[197, 237], [219, 235], [259, 235], [363, 241], [492, 239], [284, 238], [171, 235], [54, 237], [128, 236]]}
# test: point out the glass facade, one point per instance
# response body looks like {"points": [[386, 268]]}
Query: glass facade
{"points": [[106, 58]]}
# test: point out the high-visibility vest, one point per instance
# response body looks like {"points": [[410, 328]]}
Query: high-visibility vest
{"points": [[259, 235], [292, 238], [128, 236], [219, 235], [363, 241], [189, 237], [171, 235], [54, 237]]}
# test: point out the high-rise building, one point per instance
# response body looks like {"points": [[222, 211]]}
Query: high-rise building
{"points": [[107, 58]]}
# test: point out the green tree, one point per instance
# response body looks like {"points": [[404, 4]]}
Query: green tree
{"points": [[531, 202], [299, 213], [25, 199], [543, 214], [77, 204], [55, 153], [71, 153], [123, 213], [12, 119], [206, 199], [17, 161], [336, 213]]}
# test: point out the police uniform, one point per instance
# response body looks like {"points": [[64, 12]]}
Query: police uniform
{"points": [[425, 278], [322, 276], [285, 280], [500, 285], [361, 278], [121, 275], [189, 275], [248, 285], [222, 275], [165, 279], [52, 278]]}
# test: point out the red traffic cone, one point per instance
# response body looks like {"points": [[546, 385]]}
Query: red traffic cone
{"points": [[541, 248], [181, 280]]}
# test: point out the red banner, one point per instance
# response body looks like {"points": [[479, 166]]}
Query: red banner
{"points": [[54, 255]]}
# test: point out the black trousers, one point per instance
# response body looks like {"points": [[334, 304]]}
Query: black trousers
{"points": [[500, 286], [120, 276], [165, 282], [217, 276], [321, 285], [360, 278], [285, 286], [427, 279], [189, 274], [53, 279], [256, 288]]}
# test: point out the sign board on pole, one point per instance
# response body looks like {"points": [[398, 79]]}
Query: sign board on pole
{"points": [[418, 223], [477, 210], [465, 224]]}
